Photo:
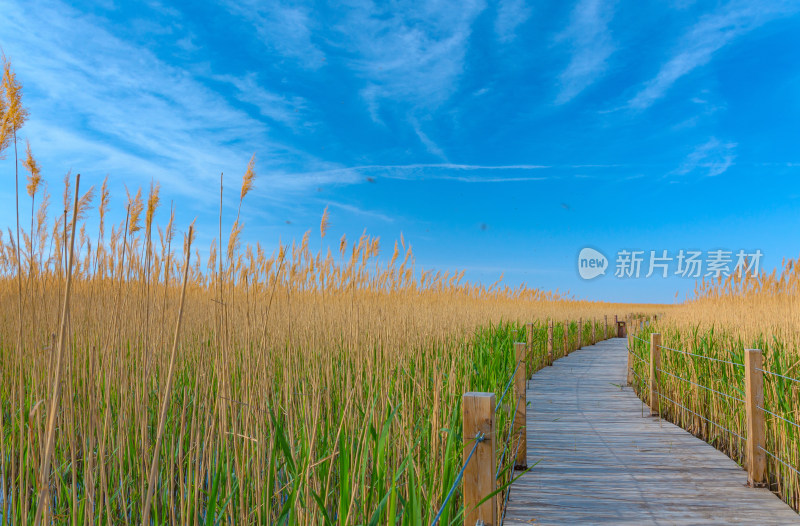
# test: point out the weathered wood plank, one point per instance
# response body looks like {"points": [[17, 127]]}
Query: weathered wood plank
{"points": [[603, 460]]}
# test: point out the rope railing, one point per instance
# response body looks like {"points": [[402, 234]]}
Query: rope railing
{"points": [[481, 497], [508, 385], [481, 437], [478, 439], [508, 440]]}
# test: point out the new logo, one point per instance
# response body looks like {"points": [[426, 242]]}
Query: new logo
{"points": [[591, 263]]}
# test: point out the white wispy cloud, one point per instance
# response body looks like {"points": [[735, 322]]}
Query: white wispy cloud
{"points": [[280, 108], [360, 211], [285, 28], [710, 34], [591, 45], [300, 181], [431, 146], [711, 158], [409, 53], [119, 109], [510, 15]]}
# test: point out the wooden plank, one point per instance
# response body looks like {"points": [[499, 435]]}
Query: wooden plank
{"points": [[601, 459]]}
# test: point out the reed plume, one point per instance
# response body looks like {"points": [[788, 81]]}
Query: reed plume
{"points": [[324, 224], [34, 171]]}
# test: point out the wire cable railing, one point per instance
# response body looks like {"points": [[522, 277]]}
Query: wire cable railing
{"points": [[508, 385], [630, 351], [639, 377], [508, 440], [779, 460], [662, 395], [509, 460], [710, 358], [700, 386], [728, 383], [779, 416], [778, 375], [478, 439]]}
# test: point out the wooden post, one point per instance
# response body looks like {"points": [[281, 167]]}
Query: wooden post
{"points": [[605, 331], [580, 333], [566, 338], [519, 417], [549, 358], [528, 348], [655, 365], [479, 475], [594, 331], [756, 439], [630, 364], [616, 326]]}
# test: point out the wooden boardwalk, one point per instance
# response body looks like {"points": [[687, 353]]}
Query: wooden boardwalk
{"points": [[602, 462]]}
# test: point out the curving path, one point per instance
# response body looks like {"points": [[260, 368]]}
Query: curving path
{"points": [[602, 462]]}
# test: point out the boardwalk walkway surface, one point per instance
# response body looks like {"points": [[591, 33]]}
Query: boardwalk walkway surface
{"points": [[601, 462]]}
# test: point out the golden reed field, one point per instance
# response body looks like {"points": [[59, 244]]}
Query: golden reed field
{"points": [[141, 384]]}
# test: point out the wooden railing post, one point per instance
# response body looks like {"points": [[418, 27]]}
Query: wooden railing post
{"points": [[616, 326], [754, 398], [580, 333], [566, 338], [594, 331], [479, 475], [605, 331], [528, 349], [655, 365], [630, 364], [519, 417], [549, 357]]}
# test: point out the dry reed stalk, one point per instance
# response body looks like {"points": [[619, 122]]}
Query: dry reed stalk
{"points": [[151, 482], [44, 490]]}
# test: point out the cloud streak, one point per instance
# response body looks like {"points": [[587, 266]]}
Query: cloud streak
{"points": [[590, 46], [284, 28], [121, 110], [511, 14], [711, 158], [412, 54], [713, 32]]}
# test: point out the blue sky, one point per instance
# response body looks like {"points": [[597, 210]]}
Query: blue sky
{"points": [[500, 138]]}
